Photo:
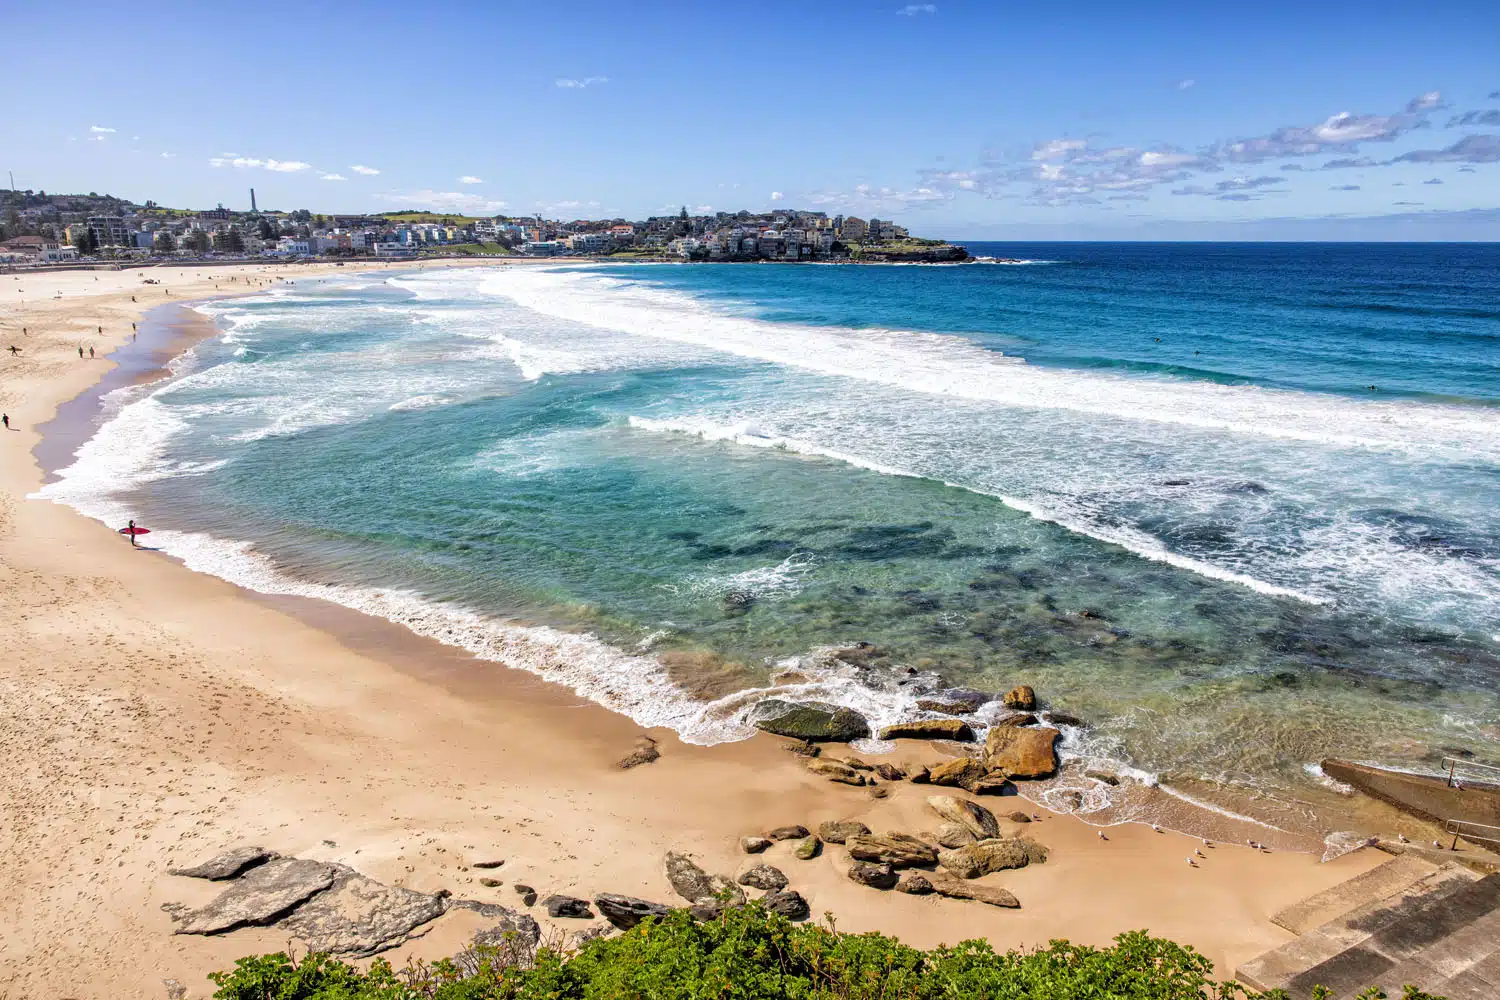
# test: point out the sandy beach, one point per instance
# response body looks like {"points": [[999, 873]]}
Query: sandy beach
{"points": [[152, 716]]}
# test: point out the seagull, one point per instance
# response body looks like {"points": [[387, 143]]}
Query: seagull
{"points": [[1190, 861], [1200, 854], [1207, 842], [1036, 817], [1438, 844], [1402, 837], [1156, 828], [1103, 837]]}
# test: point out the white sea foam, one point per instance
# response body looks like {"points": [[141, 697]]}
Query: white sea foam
{"points": [[955, 367]]}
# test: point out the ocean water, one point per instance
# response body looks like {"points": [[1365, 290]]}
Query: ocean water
{"points": [[1235, 506]]}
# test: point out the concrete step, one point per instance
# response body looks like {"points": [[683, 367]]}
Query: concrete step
{"points": [[1480, 981], [1436, 937], [1374, 885], [1331, 947]]}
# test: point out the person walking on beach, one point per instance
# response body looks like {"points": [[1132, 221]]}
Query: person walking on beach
{"points": [[14, 350], [80, 352], [5, 419], [91, 354], [130, 530]]}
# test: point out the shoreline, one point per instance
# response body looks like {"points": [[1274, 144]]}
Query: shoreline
{"points": [[162, 712]]}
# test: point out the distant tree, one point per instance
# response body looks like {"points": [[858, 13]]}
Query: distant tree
{"points": [[196, 241], [163, 243], [81, 242], [265, 230], [93, 194]]}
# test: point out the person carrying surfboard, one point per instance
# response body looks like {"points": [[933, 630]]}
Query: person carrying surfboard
{"points": [[133, 531]]}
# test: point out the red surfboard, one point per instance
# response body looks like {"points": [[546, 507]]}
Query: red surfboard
{"points": [[135, 531]]}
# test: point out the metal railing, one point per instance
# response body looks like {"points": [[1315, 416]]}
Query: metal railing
{"points": [[1462, 828], [1454, 763]]}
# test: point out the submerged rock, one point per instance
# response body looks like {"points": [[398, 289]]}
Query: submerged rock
{"points": [[227, 865], [1022, 697], [970, 815], [952, 706], [815, 723], [1023, 752], [627, 911], [261, 896], [929, 729], [836, 831]]}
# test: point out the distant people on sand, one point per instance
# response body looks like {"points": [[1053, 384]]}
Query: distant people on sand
{"points": [[80, 352], [14, 350], [91, 354], [5, 420]]}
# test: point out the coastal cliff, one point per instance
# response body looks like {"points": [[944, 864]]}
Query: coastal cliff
{"points": [[910, 252]]}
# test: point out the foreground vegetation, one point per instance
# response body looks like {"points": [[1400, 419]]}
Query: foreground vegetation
{"points": [[750, 954]]}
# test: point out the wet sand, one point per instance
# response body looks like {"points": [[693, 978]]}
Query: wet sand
{"points": [[152, 716]]}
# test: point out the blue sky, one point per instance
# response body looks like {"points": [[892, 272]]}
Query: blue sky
{"points": [[962, 119]]}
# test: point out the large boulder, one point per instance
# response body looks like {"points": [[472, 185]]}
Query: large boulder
{"points": [[955, 835], [895, 849], [627, 911], [986, 856], [913, 884], [835, 770], [815, 723], [568, 906], [997, 782], [890, 772], [807, 848], [875, 876], [359, 916], [767, 877], [929, 729], [697, 886], [1022, 752], [787, 902], [836, 831], [960, 772], [957, 888], [227, 865], [1021, 697], [261, 896], [975, 817]]}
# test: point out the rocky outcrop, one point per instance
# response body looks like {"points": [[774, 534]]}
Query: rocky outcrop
{"points": [[975, 817], [929, 729], [836, 831], [890, 772], [1019, 817], [627, 911], [898, 850], [1022, 752], [359, 916], [815, 723], [920, 776], [957, 888], [987, 856], [913, 884], [960, 772], [767, 877], [994, 783], [526, 892], [697, 886], [793, 832], [807, 848], [861, 654], [754, 845], [787, 902], [568, 906], [876, 876], [835, 770], [227, 865], [1021, 697], [261, 896], [1011, 717]]}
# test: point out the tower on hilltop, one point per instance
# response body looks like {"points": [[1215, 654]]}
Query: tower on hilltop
{"points": [[252, 201]]}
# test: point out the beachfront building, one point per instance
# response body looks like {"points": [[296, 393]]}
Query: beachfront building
{"points": [[588, 243], [109, 231], [393, 249], [853, 230]]}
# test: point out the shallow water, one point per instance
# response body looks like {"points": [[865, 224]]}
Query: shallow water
{"points": [[1151, 481]]}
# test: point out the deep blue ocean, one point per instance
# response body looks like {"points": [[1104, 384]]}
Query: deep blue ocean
{"points": [[1236, 506]]}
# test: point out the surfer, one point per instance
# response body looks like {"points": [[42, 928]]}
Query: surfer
{"points": [[130, 530]]}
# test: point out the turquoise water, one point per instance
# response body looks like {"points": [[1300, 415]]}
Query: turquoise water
{"points": [[1155, 482]]}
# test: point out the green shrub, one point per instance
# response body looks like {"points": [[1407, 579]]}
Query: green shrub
{"points": [[750, 954]]}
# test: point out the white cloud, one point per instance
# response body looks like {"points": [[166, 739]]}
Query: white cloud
{"points": [[96, 138], [247, 162], [567, 83], [1186, 84], [99, 128], [703, 210], [470, 179], [287, 166], [445, 201], [1470, 149], [913, 9], [231, 155], [334, 177], [1054, 149], [168, 156], [777, 196], [1340, 132], [135, 138], [238, 161], [360, 168]]}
